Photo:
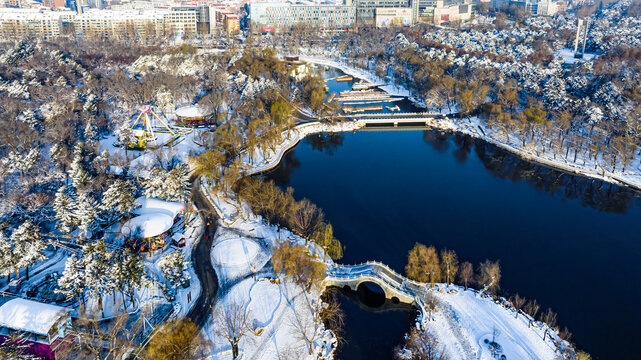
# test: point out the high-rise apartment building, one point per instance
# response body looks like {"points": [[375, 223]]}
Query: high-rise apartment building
{"points": [[284, 16], [17, 23], [49, 24]]}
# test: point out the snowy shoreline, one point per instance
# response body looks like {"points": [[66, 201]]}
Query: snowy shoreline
{"points": [[456, 324], [630, 179]]}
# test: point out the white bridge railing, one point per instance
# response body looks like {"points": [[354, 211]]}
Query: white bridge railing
{"points": [[374, 270]]}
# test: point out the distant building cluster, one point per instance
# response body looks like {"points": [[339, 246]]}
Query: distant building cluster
{"points": [[535, 7], [51, 18]]}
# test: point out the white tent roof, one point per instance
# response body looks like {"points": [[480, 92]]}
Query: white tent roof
{"points": [[30, 316], [153, 206], [150, 225], [190, 111]]}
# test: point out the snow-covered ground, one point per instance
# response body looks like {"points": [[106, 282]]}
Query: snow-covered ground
{"points": [[568, 56], [464, 319], [240, 256]]}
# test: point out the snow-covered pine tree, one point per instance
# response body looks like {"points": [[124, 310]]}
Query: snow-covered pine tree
{"points": [[28, 245], [77, 171], [174, 268], [90, 131], [177, 183], [86, 214], [96, 261], [72, 281], [118, 200], [125, 135], [7, 257], [119, 279], [153, 186], [136, 276], [129, 275], [65, 207], [21, 163], [555, 92], [170, 185]]}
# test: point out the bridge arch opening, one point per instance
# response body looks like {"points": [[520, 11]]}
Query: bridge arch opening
{"points": [[395, 300], [371, 294]]}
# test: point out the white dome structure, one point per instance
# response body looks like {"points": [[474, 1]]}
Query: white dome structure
{"points": [[148, 225]]}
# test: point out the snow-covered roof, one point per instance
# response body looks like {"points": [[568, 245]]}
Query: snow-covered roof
{"points": [[190, 111], [152, 206], [30, 316], [149, 225]]}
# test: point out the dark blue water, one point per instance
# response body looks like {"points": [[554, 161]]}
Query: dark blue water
{"points": [[571, 243]]}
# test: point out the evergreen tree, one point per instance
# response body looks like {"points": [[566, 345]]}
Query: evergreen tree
{"points": [[170, 185], [86, 214], [65, 206], [174, 268], [136, 277], [28, 244], [7, 257], [72, 281], [96, 262], [118, 200], [77, 171]]}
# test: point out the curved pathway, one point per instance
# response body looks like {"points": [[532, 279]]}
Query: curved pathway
{"points": [[200, 255]]}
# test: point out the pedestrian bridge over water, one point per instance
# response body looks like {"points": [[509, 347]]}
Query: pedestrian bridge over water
{"points": [[398, 119], [395, 286]]}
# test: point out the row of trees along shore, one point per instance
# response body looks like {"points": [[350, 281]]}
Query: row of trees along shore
{"points": [[425, 264]]}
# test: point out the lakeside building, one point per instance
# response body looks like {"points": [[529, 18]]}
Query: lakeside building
{"points": [[268, 17], [44, 329]]}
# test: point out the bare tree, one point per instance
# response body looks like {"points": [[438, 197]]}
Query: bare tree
{"points": [[449, 262], [423, 264], [305, 217], [231, 324], [517, 301], [531, 308], [176, 340], [295, 261], [430, 302], [489, 276], [466, 274], [421, 345], [96, 339], [307, 321], [548, 317]]}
